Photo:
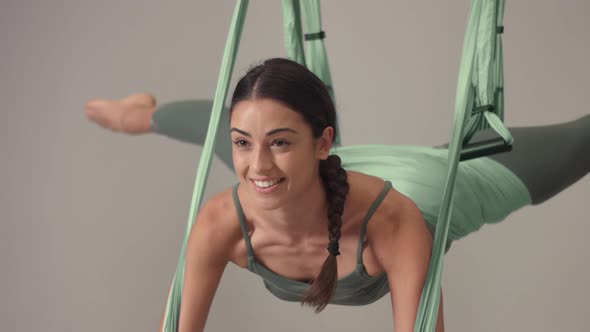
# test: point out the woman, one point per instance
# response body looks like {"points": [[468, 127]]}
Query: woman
{"points": [[293, 194]]}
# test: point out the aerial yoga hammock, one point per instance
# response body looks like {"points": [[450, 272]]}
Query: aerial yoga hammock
{"points": [[481, 185]]}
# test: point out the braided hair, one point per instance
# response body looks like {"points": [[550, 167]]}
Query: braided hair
{"points": [[302, 91], [336, 184]]}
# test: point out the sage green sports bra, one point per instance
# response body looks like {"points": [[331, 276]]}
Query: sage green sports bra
{"points": [[357, 288]]}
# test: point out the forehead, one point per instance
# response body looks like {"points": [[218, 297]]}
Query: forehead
{"points": [[264, 114]]}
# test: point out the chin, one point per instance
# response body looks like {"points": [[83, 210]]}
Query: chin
{"points": [[268, 204], [268, 201]]}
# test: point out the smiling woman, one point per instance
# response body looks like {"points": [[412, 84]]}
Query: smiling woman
{"points": [[268, 102], [298, 195], [282, 122]]}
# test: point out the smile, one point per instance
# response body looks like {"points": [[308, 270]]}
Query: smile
{"points": [[267, 185]]}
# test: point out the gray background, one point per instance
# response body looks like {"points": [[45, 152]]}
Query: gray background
{"points": [[91, 222]]}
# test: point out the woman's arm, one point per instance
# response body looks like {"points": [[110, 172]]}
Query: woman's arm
{"points": [[207, 253], [403, 245]]}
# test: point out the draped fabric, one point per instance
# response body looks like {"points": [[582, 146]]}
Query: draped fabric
{"points": [[315, 57], [485, 191], [292, 31], [479, 79]]}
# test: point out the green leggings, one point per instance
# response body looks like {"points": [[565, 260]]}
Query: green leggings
{"points": [[547, 159]]}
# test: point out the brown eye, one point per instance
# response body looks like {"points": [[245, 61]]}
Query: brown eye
{"points": [[280, 143], [240, 143]]}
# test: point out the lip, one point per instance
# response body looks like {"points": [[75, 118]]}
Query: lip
{"points": [[269, 189]]}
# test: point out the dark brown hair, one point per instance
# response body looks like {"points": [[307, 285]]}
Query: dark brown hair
{"points": [[298, 88]]}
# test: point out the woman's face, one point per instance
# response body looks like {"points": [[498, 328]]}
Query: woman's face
{"points": [[274, 152]]}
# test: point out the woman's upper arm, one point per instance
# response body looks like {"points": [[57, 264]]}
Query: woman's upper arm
{"points": [[402, 244], [207, 254]]}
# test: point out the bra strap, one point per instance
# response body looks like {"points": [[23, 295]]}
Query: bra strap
{"points": [[374, 206], [242, 221]]}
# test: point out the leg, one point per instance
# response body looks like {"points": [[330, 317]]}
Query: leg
{"points": [[130, 115], [187, 121], [549, 158]]}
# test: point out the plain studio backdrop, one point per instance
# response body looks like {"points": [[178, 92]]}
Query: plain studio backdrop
{"points": [[92, 221]]}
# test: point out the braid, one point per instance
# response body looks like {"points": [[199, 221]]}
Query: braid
{"points": [[336, 185]]}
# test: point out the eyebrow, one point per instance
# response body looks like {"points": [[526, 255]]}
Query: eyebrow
{"points": [[270, 133]]}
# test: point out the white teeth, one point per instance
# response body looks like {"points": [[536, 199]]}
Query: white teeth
{"points": [[266, 184]]}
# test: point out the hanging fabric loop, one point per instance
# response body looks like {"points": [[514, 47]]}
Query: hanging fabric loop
{"points": [[316, 58], [292, 31], [484, 108], [480, 75]]}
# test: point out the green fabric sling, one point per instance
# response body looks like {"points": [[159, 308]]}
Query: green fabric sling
{"points": [[314, 57], [231, 47], [292, 33], [479, 80]]}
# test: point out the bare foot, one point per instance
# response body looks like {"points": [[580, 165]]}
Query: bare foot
{"points": [[130, 115]]}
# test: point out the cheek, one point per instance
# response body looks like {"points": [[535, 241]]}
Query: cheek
{"points": [[240, 162], [299, 163]]}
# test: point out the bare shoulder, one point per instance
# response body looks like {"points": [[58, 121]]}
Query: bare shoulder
{"points": [[367, 187], [401, 245], [396, 210], [208, 251], [396, 216], [216, 226]]}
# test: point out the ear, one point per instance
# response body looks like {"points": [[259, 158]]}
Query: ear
{"points": [[324, 143]]}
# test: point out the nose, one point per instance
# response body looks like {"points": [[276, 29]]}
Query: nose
{"points": [[262, 160]]}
